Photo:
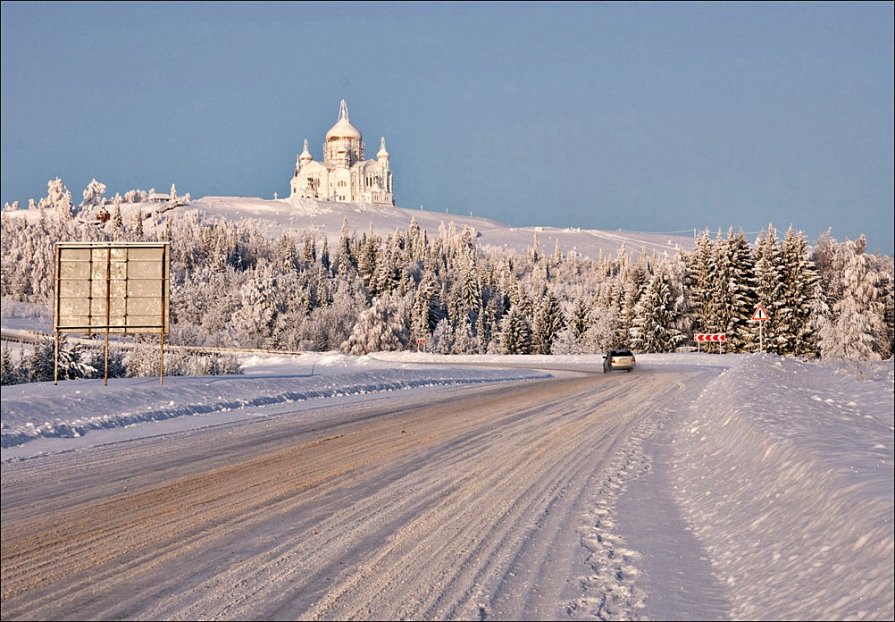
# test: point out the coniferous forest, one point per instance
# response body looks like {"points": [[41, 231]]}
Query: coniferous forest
{"points": [[234, 286]]}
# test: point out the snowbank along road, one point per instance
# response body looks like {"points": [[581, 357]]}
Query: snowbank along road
{"points": [[492, 503]]}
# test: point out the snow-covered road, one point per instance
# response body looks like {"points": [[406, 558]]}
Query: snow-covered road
{"points": [[473, 506], [697, 487]]}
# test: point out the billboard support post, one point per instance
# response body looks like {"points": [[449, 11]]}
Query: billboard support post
{"points": [[56, 357], [161, 358], [164, 306], [108, 315], [57, 254]]}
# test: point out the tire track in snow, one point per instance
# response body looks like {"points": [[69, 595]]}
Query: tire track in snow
{"points": [[461, 509]]}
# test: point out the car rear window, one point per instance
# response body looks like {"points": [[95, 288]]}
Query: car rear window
{"points": [[622, 353]]}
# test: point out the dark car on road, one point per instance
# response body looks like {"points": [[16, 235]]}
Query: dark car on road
{"points": [[618, 359]]}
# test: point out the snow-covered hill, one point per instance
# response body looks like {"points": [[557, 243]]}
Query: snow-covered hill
{"points": [[326, 217]]}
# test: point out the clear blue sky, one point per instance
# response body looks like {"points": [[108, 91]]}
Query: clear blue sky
{"points": [[652, 117]]}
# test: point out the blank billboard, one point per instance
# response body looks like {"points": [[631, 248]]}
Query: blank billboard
{"points": [[121, 287]]}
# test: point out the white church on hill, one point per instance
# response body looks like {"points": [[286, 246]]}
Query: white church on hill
{"points": [[344, 175]]}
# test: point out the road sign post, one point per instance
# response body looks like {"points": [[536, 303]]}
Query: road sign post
{"points": [[761, 316]]}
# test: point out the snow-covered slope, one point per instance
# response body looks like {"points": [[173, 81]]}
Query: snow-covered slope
{"points": [[784, 471], [326, 217]]}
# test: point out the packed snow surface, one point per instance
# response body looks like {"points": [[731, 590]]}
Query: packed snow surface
{"points": [[764, 492]]}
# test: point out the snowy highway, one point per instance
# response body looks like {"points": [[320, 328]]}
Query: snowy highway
{"points": [[404, 486], [478, 505]]}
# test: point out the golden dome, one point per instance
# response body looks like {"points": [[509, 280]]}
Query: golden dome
{"points": [[343, 128], [305, 154]]}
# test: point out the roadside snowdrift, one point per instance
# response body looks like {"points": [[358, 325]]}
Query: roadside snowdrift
{"points": [[73, 408], [785, 473]]}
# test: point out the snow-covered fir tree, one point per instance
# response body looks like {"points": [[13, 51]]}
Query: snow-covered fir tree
{"points": [[515, 333], [734, 284], [137, 227], [799, 295], [633, 278], [579, 317], [116, 222], [93, 195], [769, 286], [9, 369], [38, 366], [426, 309], [886, 272], [856, 328], [260, 304], [58, 200], [379, 329], [464, 339], [344, 257], [548, 323], [442, 341], [655, 325]]}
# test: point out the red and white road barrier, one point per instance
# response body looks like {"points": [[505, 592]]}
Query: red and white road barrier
{"points": [[701, 337]]}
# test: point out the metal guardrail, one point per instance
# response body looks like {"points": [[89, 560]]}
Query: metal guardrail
{"points": [[36, 337]]}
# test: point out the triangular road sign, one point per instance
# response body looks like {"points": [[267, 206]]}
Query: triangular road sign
{"points": [[760, 314]]}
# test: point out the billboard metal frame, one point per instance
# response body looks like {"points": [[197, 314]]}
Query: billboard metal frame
{"points": [[91, 287]]}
